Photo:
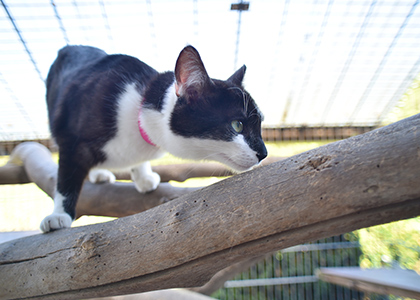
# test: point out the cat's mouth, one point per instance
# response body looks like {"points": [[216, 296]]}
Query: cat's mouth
{"points": [[235, 165]]}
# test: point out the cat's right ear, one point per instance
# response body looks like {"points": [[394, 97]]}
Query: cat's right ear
{"points": [[190, 74]]}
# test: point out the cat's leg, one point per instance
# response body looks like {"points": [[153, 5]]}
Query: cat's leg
{"points": [[101, 176], [59, 218], [71, 175], [144, 178]]}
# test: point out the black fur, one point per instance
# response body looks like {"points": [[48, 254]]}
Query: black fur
{"points": [[155, 93], [82, 87]]}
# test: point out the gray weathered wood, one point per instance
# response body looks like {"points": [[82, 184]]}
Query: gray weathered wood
{"points": [[404, 283], [15, 172], [32, 162], [359, 182]]}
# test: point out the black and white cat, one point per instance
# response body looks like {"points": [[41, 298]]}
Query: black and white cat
{"points": [[114, 112]]}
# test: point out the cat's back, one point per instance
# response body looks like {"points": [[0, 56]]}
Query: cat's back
{"points": [[74, 57], [76, 65], [70, 60], [85, 81]]}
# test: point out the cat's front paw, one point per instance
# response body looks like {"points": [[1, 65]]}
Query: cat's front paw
{"points": [[101, 176], [147, 182], [55, 221]]}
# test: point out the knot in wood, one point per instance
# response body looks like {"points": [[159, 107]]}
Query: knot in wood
{"points": [[91, 242], [371, 189], [318, 163]]}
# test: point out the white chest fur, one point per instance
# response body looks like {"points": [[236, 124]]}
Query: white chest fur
{"points": [[128, 148]]}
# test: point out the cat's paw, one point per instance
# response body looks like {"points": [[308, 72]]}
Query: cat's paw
{"points": [[147, 182], [55, 221], [101, 176]]}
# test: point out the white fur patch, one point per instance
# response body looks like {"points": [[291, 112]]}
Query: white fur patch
{"points": [[236, 154], [55, 221], [145, 180], [101, 176], [128, 148], [58, 219]]}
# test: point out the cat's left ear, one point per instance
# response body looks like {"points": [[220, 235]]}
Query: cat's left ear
{"points": [[190, 74], [238, 76]]}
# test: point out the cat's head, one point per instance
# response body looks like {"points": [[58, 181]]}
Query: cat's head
{"points": [[216, 119]]}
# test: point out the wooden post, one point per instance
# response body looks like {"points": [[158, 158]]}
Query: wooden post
{"points": [[362, 181]]}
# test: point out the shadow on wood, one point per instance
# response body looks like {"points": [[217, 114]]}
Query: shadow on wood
{"points": [[362, 181]]}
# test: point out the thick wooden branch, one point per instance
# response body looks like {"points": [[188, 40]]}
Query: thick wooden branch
{"points": [[362, 181], [14, 171], [32, 162]]}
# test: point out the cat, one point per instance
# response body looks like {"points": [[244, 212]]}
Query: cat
{"points": [[114, 112]]}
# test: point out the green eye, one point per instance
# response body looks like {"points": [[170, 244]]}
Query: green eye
{"points": [[237, 126]]}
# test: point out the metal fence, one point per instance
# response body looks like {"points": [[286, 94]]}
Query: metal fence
{"points": [[290, 273]]}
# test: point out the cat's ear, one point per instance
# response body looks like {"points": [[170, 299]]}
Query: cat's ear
{"points": [[190, 74], [238, 76]]}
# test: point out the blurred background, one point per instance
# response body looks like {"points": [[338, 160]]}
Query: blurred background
{"points": [[319, 70]]}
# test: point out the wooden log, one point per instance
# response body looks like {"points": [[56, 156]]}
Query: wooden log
{"points": [[362, 181], [32, 162], [14, 171], [13, 174]]}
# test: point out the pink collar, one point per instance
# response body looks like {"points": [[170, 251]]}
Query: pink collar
{"points": [[143, 132]]}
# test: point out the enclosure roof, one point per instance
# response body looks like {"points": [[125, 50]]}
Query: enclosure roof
{"points": [[309, 63]]}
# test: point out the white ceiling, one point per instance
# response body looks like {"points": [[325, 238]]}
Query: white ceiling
{"points": [[309, 63]]}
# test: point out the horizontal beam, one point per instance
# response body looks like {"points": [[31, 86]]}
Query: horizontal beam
{"points": [[313, 133], [269, 281], [399, 282]]}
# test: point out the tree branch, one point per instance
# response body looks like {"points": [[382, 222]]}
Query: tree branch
{"points": [[362, 181], [32, 162], [14, 171], [218, 279]]}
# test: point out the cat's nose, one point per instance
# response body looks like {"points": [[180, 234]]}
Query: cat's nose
{"points": [[262, 154]]}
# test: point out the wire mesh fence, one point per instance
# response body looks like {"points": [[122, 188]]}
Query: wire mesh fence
{"points": [[290, 273]]}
